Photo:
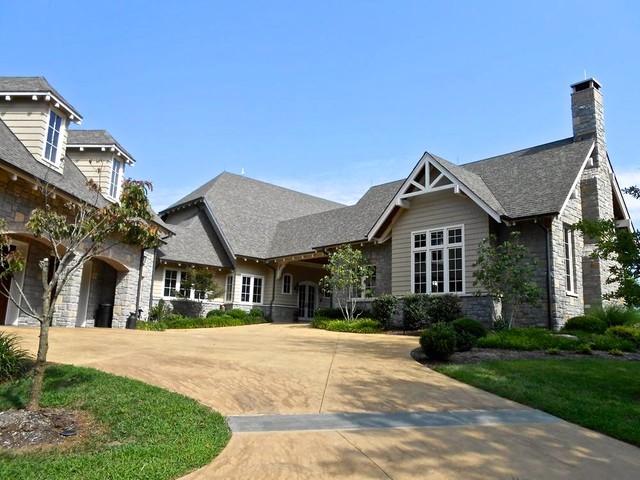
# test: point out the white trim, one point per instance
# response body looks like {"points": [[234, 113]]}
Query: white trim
{"points": [[445, 259], [85, 292], [55, 162], [103, 146], [118, 179], [57, 103], [427, 160], [252, 288], [569, 247], [577, 180], [229, 289]]}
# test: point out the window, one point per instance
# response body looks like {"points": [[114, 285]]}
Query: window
{"points": [[176, 284], [228, 291], [116, 175], [170, 283], [438, 260], [53, 138], [251, 291], [286, 284], [570, 260]]}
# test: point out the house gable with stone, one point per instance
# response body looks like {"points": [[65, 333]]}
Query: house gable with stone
{"points": [[38, 153], [268, 245]]}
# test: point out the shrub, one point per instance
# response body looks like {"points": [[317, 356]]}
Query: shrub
{"points": [[444, 308], [465, 341], [151, 326], [215, 313], [526, 339], [584, 323], [438, 341], [615, 314], [584, 348], [553, 351], [415, 311], [616, 352], [237, 313], [328, 313], [606, 342], [14, 361], [499, 324], [158, 312], [469, 325], [383, 308], [359, 325], [624, 332]]}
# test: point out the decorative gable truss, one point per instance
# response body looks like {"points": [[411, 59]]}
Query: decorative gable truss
{"points": [[429, 176]]}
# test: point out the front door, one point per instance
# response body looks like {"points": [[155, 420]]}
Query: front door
{"points": [[306, 300]]}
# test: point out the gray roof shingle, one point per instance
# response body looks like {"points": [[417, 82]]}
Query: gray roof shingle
{"points": [[533, 181], [94, 137], [342, 225], [248, 210], [32, 85], [195, 242]]}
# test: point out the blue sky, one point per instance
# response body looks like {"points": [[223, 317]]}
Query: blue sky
{"points": [[328, 97]]}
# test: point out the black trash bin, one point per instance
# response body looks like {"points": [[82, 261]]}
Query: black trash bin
{"points": [[104, 316], [131, 321]]}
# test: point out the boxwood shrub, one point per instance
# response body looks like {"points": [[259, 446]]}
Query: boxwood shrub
{"points": [[584, 323], [438, 341], [383, 308]]}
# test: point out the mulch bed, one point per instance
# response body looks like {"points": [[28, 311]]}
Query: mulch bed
{"points": [[476, 355]]}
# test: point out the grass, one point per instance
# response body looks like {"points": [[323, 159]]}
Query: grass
{"points": [[540, 339], [146, 432], [602, 395], [360, 325]]}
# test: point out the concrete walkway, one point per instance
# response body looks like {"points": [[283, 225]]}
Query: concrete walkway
{"points": [[311, 404]]}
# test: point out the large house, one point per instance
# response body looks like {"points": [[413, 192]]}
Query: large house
{"points": [[267, 245], [40, 152]]}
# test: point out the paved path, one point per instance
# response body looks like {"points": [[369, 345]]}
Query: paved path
{"points": [[311, 404]]}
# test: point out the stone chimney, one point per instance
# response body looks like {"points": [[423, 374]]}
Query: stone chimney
{"points": [[595, 185], [588, 116]]}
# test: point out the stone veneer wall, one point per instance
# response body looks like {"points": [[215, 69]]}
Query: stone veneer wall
{"points": [[17, 200]]}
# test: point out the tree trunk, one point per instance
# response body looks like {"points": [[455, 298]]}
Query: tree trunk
{"points": [[40, 366]]}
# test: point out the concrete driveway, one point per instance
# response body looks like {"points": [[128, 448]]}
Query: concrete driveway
{"points": [[305, 403]]}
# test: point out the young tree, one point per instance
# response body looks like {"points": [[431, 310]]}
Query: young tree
{"points": [[204, 285], [348, 271], [622, 247], [505, 271], [77, 232]]}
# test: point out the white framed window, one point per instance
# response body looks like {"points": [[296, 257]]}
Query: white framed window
{"points": [[170, 283], [570, 260], [286, 283], [437, 264], [117, 168], [52, 143], [228, 290], [251, 291], [175, 285]]}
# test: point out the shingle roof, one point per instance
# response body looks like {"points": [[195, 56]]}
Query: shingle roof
{"points": [[96, 138], [32, 85], [533, 181], [195, 242], [342, 225], [248, 210]]}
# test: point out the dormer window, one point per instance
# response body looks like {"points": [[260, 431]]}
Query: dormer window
{"points": [[116, 175], [53, 138]]}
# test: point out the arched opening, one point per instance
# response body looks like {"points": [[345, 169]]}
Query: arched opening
{"points": [[97, 292]]}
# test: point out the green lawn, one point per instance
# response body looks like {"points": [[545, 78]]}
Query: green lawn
{"points": [[603, 395], [146, 432]]}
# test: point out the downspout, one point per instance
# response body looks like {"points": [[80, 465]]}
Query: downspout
{"points": [[273, 291], [139, 292], [548, 268]]}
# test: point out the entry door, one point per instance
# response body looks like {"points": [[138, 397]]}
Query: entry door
{"points": [[306, 300]]}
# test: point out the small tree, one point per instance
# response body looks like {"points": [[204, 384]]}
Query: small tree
{"points": [[204, 285], [505, 271], [348, 272], [77, 232], [622, 247]]}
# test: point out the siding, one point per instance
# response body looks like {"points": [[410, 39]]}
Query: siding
{"points": [[299, 274], [96, 166], [434, 210], [29, 122]]}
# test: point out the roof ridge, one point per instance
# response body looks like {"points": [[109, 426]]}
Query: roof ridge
{"points": [[541, 146]]}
